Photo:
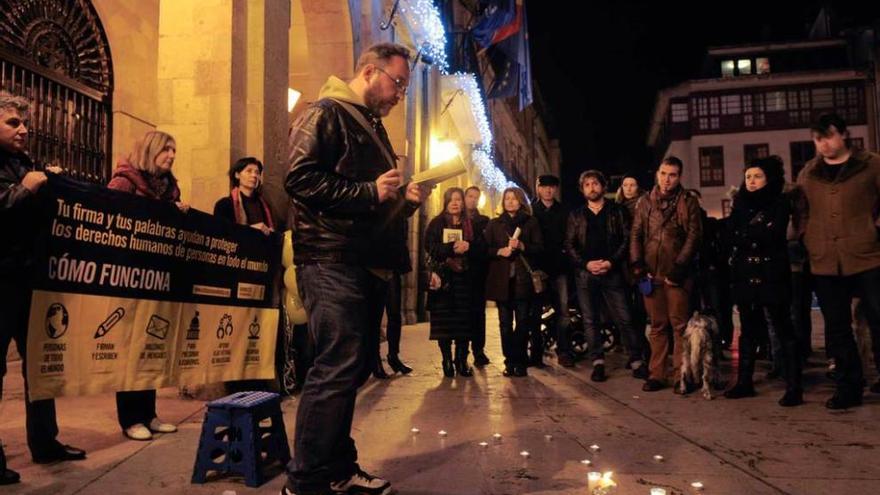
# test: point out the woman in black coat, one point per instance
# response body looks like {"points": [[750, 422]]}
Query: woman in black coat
{"points": [[454, 250], [509, 283], [245, 204], [761, 274]]}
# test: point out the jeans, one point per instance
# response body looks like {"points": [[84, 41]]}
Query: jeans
{"points": [[514, 339], [610, 289], [557, 294], [835, 295], [344, 304]]}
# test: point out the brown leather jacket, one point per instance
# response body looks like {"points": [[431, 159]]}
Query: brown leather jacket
{"points": [[664, 242]]}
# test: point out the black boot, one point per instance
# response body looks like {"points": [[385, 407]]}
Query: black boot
{"points": [[741, 390], [793, 397], [791, 370], [461, 364], [747, 353], [379, 371], [397, 365], [7, 476], [446, 352]]}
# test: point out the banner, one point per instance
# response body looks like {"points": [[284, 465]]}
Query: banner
{"points": [[133, 294]]}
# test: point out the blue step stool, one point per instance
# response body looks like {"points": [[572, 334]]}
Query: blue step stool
{"points": [[232, 431]]}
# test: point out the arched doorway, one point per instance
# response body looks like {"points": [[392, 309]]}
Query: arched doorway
{"points": [[55, 54]]}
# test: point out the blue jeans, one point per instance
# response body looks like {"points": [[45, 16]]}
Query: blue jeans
{"points": [[558, 294], [515, 339], [344, 304], [610, 289]]}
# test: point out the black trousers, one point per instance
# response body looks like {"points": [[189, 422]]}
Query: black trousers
{"points": [[835, 295], [15, 304], [393, 310]]}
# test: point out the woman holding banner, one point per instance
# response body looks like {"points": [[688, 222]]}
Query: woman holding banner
{"points": [[146, 172], [513, 239]]}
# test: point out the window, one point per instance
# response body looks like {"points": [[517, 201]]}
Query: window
{"points": [[752, 152], [730, 105], [762, 64], [707, 110], [801, 153], [823, 98], [712, 166], [727, 67], [744, 66], [725, 208], [775, 101], [798, 107], [679, 112], [753, 108]]}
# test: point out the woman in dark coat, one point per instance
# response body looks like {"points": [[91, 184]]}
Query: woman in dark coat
{"points": [[146, 172], [245, 204], [452, 253], [761, 274], [509, 283]]}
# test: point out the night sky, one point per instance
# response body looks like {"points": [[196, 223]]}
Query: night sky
{"points": [[599, 71]]}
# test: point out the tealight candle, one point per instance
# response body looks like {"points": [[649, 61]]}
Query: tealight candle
{"points": [[415, 431], [484, 444], [658, 491], [594, 448], [658, 458], [593, 479], [586, 462], [497, 436], [548, 437], [442, 433], [697, 485], [525, 453]]}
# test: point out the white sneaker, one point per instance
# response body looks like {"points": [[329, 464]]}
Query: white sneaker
{"points": [[138, 432], [157, 426], [362, 483]]}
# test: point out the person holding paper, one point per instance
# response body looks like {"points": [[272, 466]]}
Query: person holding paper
{"points": [[146, 172], [454, 249], [513, 242], [350, 206], [20, 185], [478, 303]]}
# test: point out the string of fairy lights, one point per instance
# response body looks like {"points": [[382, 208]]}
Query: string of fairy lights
{"points": [[424, 19]]}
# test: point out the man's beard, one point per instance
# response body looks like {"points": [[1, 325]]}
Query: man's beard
{"points": [[376, 105]]}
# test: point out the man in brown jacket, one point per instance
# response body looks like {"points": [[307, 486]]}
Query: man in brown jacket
{"points": [[666, 234], [842, 187]]}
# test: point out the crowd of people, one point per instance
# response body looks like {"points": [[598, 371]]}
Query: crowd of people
{"points": [[643, 261]]}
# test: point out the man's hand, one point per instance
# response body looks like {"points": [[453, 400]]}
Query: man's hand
{"points": [[32, 181], [416, 193], [262, 227], [387, 185], [54, 169], [505, 252], [435, 282], [460, 247], [516, 244], [594, 266]]}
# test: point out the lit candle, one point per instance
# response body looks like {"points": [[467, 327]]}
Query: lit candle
{"points": [[586, 462], [525, 453], [484, 444], [442, 433], [697, 485], [593, 479], [548, 437], [658, 491], [607, 481], [594, 448], [658, 458], [415, 431], [497, 436]]}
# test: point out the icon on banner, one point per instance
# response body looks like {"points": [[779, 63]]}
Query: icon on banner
{"points": [[224, 329], [158, 327], [193, 332], [254, 330], [111, 321], [56, 320]]}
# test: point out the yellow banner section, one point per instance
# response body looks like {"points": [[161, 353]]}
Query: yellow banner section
{"points": [[82, 344]]}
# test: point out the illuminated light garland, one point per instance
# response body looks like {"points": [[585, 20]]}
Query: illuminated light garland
{"points": [[424, 19]]}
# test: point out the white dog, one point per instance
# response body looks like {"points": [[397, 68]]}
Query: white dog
{"points": [[698, 360]]}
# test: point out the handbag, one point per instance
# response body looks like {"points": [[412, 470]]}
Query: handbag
{"points": [[539, 277]]}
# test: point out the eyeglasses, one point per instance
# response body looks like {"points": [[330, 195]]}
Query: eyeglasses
{"points": [[399, 83]]}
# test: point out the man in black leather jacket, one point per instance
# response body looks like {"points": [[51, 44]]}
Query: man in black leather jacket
{"points": [[20, 184], [596, 241], [349, 235]]}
